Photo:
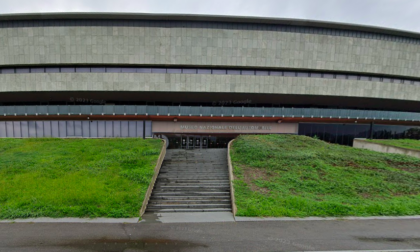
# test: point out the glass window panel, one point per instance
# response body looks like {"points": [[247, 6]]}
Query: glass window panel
{"points": [[204, 71], [98, 69], [128, 70], [144, 70], [248, 72], [218, 71], [340, 76], [174, 70], [316, 75], [82, 69], [289, 74], [364, 78], [376, 79], [113, 69], [276, 73], [261, 72], [189, 71], [234, 72], [52, 69], [387, 80], [8, 70], [302, 74], [328, 76], [158, 70], [37, 70], [67, 70], [417, 83], [352, 77], [22, 70]]}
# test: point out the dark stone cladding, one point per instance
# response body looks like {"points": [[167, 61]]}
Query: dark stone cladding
{"points": [[209, 22]]}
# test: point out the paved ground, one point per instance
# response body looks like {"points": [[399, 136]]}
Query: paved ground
{"points": [[226, 236]]}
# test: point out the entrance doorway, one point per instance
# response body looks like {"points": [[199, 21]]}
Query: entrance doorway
{"points": [[178, 141]]}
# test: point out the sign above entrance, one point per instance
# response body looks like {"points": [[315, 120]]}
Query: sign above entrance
{"points": [[224, 127]]}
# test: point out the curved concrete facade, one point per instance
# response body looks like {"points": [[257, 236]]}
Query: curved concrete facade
{"points": [[182, 41], [205, 47]]}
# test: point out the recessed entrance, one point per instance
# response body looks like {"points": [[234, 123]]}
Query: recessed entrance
{"points": [[187, 141]]}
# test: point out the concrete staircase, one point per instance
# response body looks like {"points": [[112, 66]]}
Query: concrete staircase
{"points": [[192, 181]]}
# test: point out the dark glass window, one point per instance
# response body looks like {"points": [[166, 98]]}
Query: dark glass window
{"points": [[218, 71], [158, 70], [340, 76], [113, 69], [82, 69], [276, 73], [376, 79], [144, 70], [328, 76], [289, 74], [67, 70], [204, 71], [352, 77], [128, 70], [364, 78], [189, 71], [387, 80], [22, 70], [302, 74], [174, 70], [234, 72], [261, 72], [37, 70], [417, 83], [316, 75], [52, 70], [98, 69], [247, 72], [8, 70]]}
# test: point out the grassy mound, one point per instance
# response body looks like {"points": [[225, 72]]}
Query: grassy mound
{"points": [[75, 177], [402, 143], [298, 176]]}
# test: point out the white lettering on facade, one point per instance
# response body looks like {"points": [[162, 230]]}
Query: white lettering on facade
{"points": [[224, 127]]}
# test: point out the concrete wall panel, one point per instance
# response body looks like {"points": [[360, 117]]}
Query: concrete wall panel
{"points": [[205, 47]]}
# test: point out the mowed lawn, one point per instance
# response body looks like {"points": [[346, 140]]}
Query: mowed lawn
{"points": [[402, 143], [75, 177], [298, 176]]}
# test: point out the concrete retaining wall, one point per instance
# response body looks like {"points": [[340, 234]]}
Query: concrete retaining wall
{"points": [[155, 175], [363, 144]]}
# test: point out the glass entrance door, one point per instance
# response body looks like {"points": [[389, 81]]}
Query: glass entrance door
{"points": [[197, 142], [191, 142]]}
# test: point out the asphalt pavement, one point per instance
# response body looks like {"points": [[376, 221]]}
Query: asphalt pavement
{"points": [[317, 235]]}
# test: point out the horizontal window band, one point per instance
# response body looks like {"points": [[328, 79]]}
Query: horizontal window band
{"points": [[212, 71]]}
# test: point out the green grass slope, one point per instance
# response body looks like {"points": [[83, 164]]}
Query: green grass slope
{"points": [[298, 176], [402, 143], [75, 177]]}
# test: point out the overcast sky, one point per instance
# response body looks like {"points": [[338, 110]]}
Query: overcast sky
{"points": [[399, 14]]}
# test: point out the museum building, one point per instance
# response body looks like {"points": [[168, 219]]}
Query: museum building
{"points": [[200, 80]]}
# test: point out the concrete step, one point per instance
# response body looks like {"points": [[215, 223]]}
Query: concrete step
{"points": [[187, 206], [188, 190], [191, 184], [166, 180], [188, 210], [189, 201], [201, 177], [191, 194], [227, 197]]}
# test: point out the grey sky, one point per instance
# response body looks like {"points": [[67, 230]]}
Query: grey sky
{"points": [[399, 14]]}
